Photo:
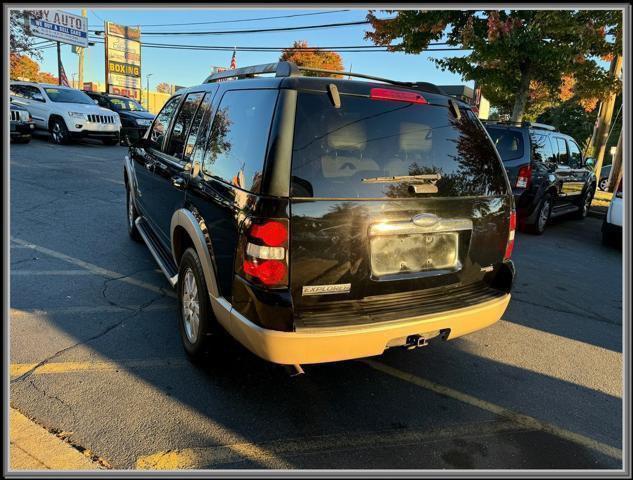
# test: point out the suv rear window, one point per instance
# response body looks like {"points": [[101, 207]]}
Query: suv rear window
{"points": [[509, 143], [337, 150]]}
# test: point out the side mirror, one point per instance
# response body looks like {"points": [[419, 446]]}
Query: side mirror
{"points": [[96, 101], [590, 162]]}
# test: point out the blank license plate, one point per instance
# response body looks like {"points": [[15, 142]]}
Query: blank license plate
{"points": [[402, 254]]}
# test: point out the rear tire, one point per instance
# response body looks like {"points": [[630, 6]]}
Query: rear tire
{"points": [[585, 203], [542, 216], [58, 131], [132, 215], [195, 316], [604, 184]]}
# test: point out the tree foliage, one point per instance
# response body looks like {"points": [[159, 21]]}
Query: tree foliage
{"points": [[571, 118], [24, 68], [306, 57], [513, 52], [20, 38], [163, 87]]}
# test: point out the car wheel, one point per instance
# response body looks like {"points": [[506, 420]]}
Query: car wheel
{"points": [[132, 215], [603, 184], [542, 216], [582, 212], [58, 132], [194, 308]]}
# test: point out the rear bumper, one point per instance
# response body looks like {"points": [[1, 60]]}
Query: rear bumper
{"points": [[318, 346]]}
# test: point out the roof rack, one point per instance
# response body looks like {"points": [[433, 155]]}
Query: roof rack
{"points": [[289, 69], [538, 126]]}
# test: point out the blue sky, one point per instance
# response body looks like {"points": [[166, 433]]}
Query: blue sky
{"points": [[184, 67]]}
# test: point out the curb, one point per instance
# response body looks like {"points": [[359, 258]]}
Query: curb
{"points": [[32, 447]]}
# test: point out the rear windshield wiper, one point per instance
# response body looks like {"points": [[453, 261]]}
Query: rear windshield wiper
{"points": [[433, 177]]}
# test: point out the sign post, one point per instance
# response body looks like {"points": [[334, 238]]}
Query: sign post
{"points": [[123, 60]]}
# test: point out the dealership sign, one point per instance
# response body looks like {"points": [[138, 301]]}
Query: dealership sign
{"points": [[123, 60], [59, 26]]}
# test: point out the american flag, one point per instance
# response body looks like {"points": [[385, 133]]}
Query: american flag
{"points": [[63, 77], [233, 61]]}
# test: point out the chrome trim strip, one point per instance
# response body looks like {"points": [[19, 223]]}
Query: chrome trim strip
{"points": [[409, 228], [172, 280]]}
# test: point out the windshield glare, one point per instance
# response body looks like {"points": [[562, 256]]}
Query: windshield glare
{"points": [[67, 95], [126, 104]]}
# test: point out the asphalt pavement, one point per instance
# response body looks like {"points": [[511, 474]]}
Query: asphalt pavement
{"points": [[95, 354]]}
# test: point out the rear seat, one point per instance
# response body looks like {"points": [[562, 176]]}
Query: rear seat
{"points": [[345, 153], [416, 142]]}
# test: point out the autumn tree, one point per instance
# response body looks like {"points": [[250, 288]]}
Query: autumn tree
{"points": [[513, 50], [163, 87], [25, 68], [21, 40], [304, 56]]}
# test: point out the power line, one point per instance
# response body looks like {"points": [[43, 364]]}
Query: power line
{"points": [[259, 30], [236, 21]]}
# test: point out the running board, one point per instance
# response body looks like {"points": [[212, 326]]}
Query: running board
{"points": [[564, 210], [163, 259]]}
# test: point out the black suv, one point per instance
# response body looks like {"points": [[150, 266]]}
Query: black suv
{"points": [[318, 219], [22, 125], [135, 120], [547, 171]]}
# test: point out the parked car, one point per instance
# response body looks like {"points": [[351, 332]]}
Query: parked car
{"points": [[66, 113], [547, 171], [612, 223], [603, 183], [322, 219], [21, 124], [135, 120]]}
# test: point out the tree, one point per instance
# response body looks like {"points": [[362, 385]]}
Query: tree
{"points": [[304, 56], [163, 87], [21, 39], [513, 50], [571, 118], [45, 77], [25, 68]]}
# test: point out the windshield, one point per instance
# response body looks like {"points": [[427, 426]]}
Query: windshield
{"points": [[349, 151], [509, 143], [126, 104], [68, 95]]}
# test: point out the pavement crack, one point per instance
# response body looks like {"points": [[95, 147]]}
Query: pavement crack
{"points": [[55, 397], [585, 313]]}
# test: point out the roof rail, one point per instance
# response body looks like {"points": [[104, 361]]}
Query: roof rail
{"points": [[538, 126], [289, 69]]}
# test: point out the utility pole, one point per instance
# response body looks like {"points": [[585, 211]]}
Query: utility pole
{"points": [[606, 114], [616, 169], [59, 64], [81, 57], [148, 75]]}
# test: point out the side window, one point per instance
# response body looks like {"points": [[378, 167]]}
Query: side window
{"points": [[161, 124], [562, 151], [236, 147], [182, 124], [17, 91], [575, 157], [542, 149], [33, 93], [102, 101], [198, 127]]}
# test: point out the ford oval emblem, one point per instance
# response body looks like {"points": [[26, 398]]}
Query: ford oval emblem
{"points": [[425, 220]]}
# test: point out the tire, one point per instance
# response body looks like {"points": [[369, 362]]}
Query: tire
{"points": [[603, 184], [585, 203], [193, 300], [132, 215], [110, 141], [59, 134], [542, 216]]}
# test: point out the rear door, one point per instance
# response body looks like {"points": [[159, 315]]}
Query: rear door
{"points": [[580, 174], [564, 172], [362, 238]]}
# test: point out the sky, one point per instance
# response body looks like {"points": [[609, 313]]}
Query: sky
{"points": [[187, 68]]}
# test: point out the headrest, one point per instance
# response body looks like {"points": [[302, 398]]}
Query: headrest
{"points": [[349, 137], [415, 137]]}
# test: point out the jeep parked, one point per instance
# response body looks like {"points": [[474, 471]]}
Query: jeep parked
{"points": [[323, 219], [21, 124], [547, 171], [66, 113]]}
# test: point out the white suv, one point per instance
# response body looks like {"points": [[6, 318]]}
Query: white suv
{"points": [[66, 113]]}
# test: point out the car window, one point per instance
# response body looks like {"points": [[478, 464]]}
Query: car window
{"points": [[509, 143], [542, 150], [575, 157], [561, 151], [67, 95], [125, 104], [234, 151], [161, 123], [101, 101], [197, 127], [33, 93], [353, 150], [17, 91], [182, 124]]}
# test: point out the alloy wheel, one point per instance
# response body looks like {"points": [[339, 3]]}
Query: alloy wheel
{"points": [[544, 215], [190, 306], [57, 133]]}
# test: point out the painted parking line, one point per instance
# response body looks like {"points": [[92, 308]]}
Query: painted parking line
{"points": [[210, 457], [52, 368], [519, 418], [97, 270]]}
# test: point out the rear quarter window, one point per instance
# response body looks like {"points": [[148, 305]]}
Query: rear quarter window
{"points": [[509, 143], [337, 150]]}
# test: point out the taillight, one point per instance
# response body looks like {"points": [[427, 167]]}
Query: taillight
{"points": [[512, 229], [396, 95], [524, 177], [264, 255]]}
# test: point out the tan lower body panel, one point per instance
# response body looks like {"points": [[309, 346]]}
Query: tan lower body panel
{"points": [[291, 348]]}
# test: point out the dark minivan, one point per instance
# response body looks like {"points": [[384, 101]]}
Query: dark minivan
{"points": [[547, 171], [318, 219]]}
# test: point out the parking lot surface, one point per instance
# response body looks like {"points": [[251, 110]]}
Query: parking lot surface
{"points": [[95, 354]]}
